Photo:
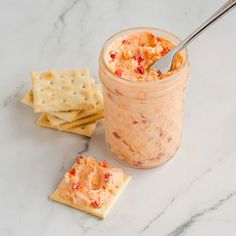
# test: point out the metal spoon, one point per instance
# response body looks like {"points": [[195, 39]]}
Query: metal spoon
{"points": [[164, 64]]}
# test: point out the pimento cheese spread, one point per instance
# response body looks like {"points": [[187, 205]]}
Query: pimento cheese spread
{"points": [[131, 56], [143, 108], [91, 183]]}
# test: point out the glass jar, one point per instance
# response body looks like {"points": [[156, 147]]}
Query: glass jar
{"points": [[144, 120]]}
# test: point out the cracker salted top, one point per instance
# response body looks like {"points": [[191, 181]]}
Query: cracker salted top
{"points": [[62, 91], [73, 115]]}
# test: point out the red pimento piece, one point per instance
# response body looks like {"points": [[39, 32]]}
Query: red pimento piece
{"points": [[164, 51], [79, 157], [76, 186], [152, 36], [118, 92], [139, 58], [143, 119], [137, 163], [140, 69], [125, 142], [126, 41], [116, 135], [158, 72], [72, 171], [95, 204], [158, 39], [113, 55], [104, 164], [118, 72], [106, 177], [152, 40]]}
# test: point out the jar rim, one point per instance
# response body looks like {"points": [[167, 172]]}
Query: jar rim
{"points": [[151, 83]]}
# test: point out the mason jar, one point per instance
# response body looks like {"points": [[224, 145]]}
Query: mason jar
{"points": [[144, 120]]}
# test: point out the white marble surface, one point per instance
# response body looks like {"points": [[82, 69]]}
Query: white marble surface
{"points": [[193, 194]]}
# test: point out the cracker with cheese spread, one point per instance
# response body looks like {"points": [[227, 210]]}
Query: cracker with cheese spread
{"points": [[91, 186]]}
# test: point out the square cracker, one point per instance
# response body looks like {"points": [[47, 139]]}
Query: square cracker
{"points": [[75, 115], [62, 124], [66, 115], [99, 212], [97, 97], [62, 91], [70, 116], [81, 121], [86, 130], [28, 100], [55, 121]]}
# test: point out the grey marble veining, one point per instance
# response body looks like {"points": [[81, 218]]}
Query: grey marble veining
{"points": [[193, 194], [183, 227]]}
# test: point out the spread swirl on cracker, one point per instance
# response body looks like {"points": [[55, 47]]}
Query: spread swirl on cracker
{"points": [[91, 186]]}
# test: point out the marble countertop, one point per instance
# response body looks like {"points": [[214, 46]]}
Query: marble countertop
{"points": [[193, 194]]}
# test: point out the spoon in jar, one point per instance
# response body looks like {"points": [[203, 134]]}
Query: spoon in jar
{"points": [[164, 64]]}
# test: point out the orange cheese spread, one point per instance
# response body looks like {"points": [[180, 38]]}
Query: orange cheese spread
{"points": [[131, 56], [90, 182]]}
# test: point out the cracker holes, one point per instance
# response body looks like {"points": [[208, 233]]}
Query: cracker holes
{"points": [[82, 127], [43, 102], [64, 101], [74, 93], [51, 83]]}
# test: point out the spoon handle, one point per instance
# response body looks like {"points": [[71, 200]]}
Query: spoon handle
{"points": [[216, 16]]}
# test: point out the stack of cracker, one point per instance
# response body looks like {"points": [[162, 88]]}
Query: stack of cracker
{"points": [[69, 101]]}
